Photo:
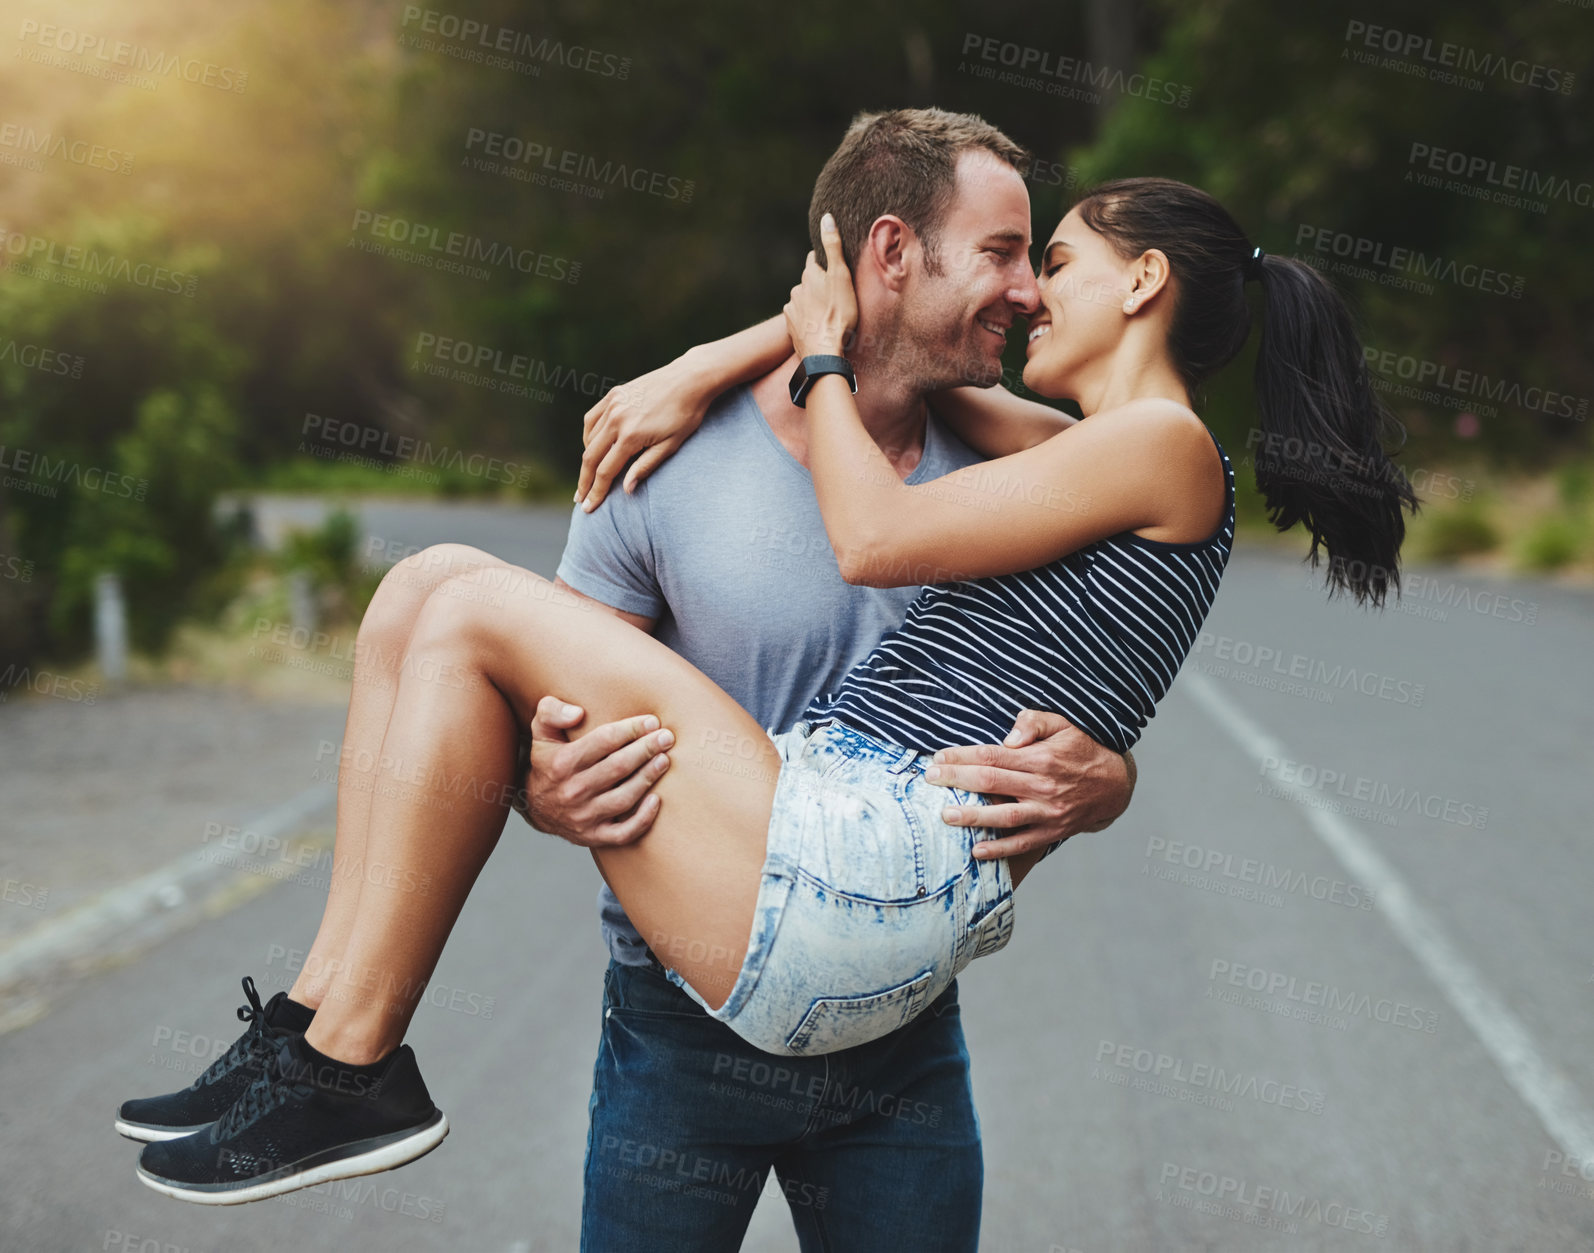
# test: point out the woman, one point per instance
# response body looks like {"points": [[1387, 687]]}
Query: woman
{"points": [[814, 899]]}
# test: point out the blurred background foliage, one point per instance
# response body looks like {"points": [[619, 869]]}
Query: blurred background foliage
{"points": [[255, 194]]}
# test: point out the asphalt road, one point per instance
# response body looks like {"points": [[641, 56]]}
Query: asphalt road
{"points": [[1306, 994]]}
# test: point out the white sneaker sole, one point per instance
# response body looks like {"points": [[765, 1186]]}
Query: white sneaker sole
{"points": [[147, 1135], [399, 1153]]}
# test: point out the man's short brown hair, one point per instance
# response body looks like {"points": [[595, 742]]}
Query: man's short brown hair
{"points": [[903, 162]]}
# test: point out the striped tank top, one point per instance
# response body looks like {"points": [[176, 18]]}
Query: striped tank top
{"points": [[1096, 636]]}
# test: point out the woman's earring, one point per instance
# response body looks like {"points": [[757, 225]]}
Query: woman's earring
{"points": [[1129, 305]]}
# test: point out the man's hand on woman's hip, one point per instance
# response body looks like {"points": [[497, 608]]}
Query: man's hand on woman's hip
{"points": [[1052, 779], [594, 791]]}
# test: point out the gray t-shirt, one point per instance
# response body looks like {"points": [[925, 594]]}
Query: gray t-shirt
{"points": [[724, 545]]}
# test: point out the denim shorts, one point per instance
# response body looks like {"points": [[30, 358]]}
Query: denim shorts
{"points": [[869, 905]]}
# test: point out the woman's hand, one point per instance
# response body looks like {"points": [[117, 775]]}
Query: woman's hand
{"points": [[652, 414], [823, 310]]}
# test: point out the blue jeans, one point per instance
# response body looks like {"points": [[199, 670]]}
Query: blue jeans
{"points": [[874, 1148]]}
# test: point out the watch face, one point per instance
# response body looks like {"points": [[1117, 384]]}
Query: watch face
{"points": [[801, 380], [798, 385]]}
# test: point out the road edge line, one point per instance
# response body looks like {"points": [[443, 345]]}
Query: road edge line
{"points": [[177, 889], [1548, 1093]]}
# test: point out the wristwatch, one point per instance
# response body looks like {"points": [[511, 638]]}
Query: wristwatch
{"points": [[811, 368]]}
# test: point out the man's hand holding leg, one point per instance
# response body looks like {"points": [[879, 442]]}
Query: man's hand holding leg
{"points": [[1052, 779], [594, 791]]}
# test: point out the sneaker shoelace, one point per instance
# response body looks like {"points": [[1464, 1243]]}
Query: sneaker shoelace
{"points": [[252, 1044], [269, 1089]]}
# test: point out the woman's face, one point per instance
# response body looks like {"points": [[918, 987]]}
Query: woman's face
{"points": [[1083, 285]]}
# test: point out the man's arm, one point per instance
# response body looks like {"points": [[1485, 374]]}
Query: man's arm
{"points": [[1060, 780]]}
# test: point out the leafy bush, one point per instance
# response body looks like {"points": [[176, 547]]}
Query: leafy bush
{"points": [[329, 555], [1574, 483], [1453, 533], [1552, 543], [157, 529]]}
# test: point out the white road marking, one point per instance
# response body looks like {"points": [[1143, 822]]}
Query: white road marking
{"points": [[1543, 1088]]}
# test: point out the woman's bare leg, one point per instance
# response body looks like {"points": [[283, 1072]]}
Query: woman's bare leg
{"points": [[379, 648], [485, 648]]}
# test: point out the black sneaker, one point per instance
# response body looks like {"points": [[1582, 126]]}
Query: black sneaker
{"points": [[295, 1127], [209, 1096]]}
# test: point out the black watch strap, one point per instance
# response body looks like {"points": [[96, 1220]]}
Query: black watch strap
{"points": [[811, 368]]}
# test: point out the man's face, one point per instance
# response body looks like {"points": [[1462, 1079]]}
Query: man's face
{"points": [[955, 322]]}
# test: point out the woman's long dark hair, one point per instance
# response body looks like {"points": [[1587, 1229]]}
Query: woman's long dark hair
{"points": [[1320, 459]]}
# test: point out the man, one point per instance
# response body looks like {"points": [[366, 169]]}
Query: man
{"points": [[723, 554]]}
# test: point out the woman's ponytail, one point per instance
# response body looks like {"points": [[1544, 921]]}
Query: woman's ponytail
{"points": [[1320, 460], [1318, 453]]}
